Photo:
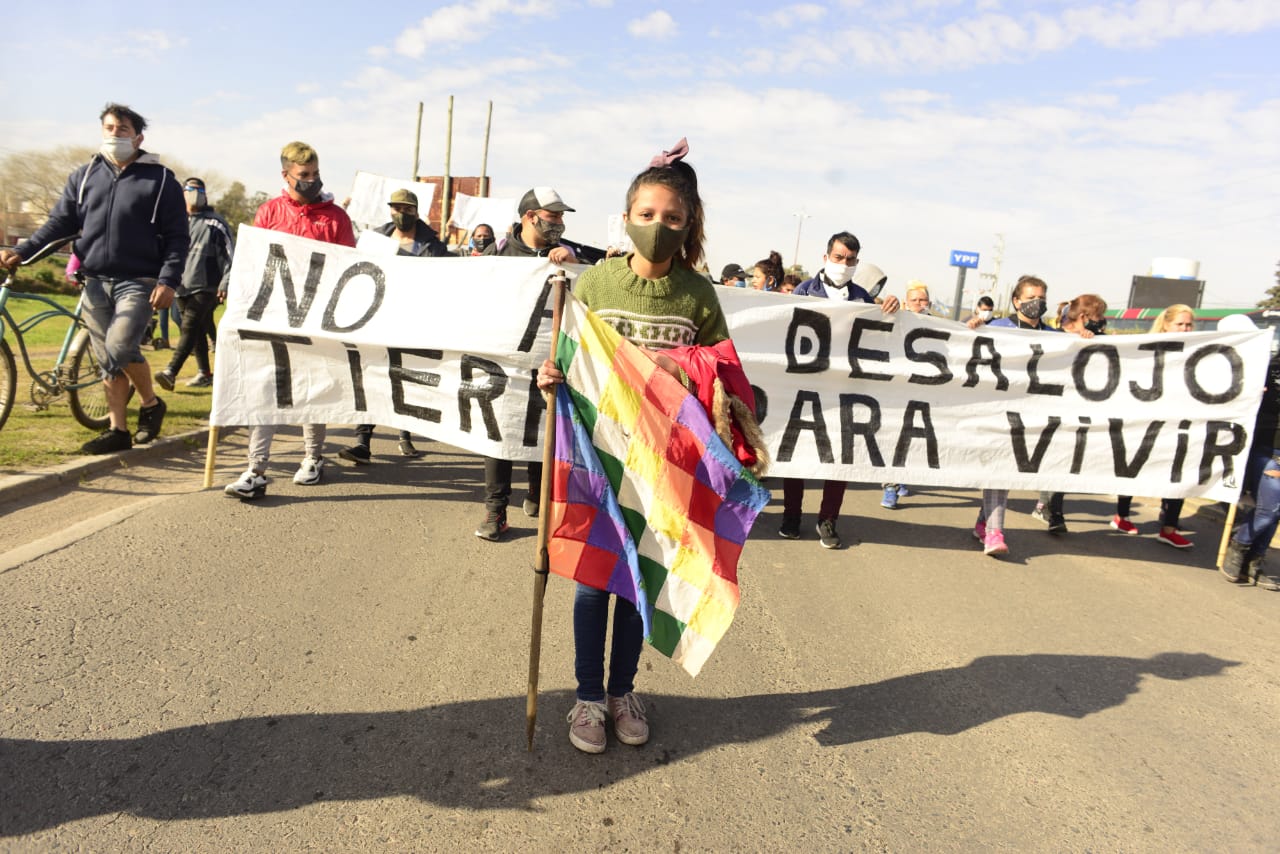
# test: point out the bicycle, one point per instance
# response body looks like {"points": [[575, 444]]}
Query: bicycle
{"points": [[75, 373]]}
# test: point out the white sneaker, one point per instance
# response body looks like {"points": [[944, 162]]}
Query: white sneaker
{"points": [[309, 473], [251, 485]]}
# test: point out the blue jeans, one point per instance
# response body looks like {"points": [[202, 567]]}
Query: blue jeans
{"points": [[1258, 526], [590, 620], [116, 314]]}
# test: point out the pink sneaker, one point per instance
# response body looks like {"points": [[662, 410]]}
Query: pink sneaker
{"points": [[980, 532], [1124, 526], [993, 544], [1174, 539]]}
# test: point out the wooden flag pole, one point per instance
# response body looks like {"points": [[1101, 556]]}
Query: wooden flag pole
{"points": [[542, 559], [1226, 533], [210, 456]]}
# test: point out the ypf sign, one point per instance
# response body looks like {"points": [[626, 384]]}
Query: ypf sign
{"points": [[963, 261]]}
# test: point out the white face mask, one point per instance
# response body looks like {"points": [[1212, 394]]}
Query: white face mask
{"points": [[985, 314], [117, 149], [839, 274]]}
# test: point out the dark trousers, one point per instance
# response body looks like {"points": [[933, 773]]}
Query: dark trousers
{"points": [[497, 483], [1052, 502], [1170, 510], [197, 314], [793, 497], [364, 434]]}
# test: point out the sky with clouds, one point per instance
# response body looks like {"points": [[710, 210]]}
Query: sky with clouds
{"points": [[1093, 136]]}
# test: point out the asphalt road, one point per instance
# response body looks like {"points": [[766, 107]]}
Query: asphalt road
{"points": [[343, 667]]}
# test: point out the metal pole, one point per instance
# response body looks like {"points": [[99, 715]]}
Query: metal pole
{"points": [[417, 141], [955, 306], [800, 216], [448, 182], [484, 158]]}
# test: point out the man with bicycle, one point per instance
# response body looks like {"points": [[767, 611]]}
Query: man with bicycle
{"points": [[131, 219]]}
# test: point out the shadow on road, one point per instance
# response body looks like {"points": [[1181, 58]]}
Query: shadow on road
{"points": [[472, 755]]}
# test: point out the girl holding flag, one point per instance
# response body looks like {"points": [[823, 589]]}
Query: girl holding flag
{"points": [[655, 299]]}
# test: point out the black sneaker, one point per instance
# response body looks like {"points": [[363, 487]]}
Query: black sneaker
{"points": [[827, 535], [530, 507], [358, 454], [408, 450], [790, 528], [149, 420], [108, 442], [1057, 524], [493, 526], [164, 379]]}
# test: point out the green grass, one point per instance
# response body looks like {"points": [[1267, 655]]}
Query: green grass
{"points": [[33, 439]]}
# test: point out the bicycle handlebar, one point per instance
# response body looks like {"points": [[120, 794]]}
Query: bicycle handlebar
{"points": [[42, 253]]}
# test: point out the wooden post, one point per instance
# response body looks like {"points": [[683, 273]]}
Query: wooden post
{"points": [[542, 558], [210, 456], [484, 156], [417, 142], [447, 183], [1226, 534]]}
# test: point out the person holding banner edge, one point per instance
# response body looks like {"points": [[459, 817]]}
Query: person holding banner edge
{"points": [[833, 281], [1177, 319], [1029, 306], [537, 234], [418, 240], [303, 209], [653, 289]]}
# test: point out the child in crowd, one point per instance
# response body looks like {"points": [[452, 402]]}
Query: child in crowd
{"points": [[655, 295], [1029, 308]]}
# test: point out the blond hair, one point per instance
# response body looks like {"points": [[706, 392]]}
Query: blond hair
{"points": [[1166, 318], [297, 152]]}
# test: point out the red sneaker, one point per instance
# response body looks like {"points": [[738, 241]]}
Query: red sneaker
{"points": [[1124, 526], [1174, 539]]}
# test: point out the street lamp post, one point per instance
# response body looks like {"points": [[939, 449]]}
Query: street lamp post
{"points": [[800, 216]]}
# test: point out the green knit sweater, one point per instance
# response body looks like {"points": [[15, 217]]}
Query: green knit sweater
{"points": [[680, 308]]}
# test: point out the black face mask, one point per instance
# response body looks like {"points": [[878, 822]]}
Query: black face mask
{"points": [[481, 243], [309, 190], [405, 221], [1097, 327]]}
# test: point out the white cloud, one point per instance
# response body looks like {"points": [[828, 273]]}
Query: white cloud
{"points": [[147, 44], [465, 22], [656, 25], [911, 97], [789, 16], [993, 36]]}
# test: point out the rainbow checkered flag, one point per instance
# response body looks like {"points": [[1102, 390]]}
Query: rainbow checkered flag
{"points": [[646, 500]]}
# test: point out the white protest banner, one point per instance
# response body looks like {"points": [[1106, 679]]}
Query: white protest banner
{"points": [[445, 347], [470, 211], [616, 232], [371, 193], [373, 243], [449, 348], [850, 393]]}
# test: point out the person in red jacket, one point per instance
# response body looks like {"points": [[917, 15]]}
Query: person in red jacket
{"points": [[306, 210]]}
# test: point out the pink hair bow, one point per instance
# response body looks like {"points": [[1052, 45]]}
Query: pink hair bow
{"points": [[675, 155]]}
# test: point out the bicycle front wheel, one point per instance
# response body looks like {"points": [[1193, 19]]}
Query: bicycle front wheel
{"points": [[8, 381], [85, 391]]}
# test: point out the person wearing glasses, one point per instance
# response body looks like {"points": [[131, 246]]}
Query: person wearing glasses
{"points": [[205, 275], [834, 281]]}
